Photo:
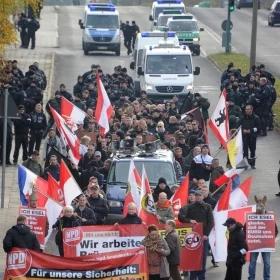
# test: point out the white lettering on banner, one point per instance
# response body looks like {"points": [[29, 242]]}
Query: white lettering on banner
{"points": [[16, 260], [104, 245]]}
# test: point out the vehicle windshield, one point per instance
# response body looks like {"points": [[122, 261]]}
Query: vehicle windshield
{"points": [[102, 21], [159, 10], [154, 169], [179, 25], [168, 64], [162, 20]]}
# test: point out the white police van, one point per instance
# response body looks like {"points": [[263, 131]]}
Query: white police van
{"points": [[167, 71], [160, 5], [150, 38], [163, 18], [101, 28]]}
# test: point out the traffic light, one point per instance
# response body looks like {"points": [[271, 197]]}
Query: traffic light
{"points": [[231, 5]]}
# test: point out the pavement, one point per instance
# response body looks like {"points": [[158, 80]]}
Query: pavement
{"points": [[69, 62]]}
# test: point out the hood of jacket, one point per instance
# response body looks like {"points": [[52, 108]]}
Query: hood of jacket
{"points": [[21, 229]]}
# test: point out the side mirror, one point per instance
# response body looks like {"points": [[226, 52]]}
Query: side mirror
{"points": [[151, 18], [140, 71], [132, 65], [201, 29], [196, 71], [155, 23], [81, 24]]}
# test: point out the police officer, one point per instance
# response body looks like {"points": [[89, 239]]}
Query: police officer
{"points": [[37, 128], [21, 126], [250, 124], [22, 26], [32, 26], [127, 33], [134, 30]]}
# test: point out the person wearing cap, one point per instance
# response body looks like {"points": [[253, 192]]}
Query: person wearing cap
{"points": [[52, 143], [162, 187], [199, 212], [33, 164], [201, 165], [98, 204], [236, 249], [21, 128], [97, 159]]}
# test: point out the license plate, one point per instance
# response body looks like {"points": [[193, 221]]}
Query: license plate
{"points": [[102, 48]]}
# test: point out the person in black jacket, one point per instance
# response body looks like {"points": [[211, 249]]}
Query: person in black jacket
{"points": [[32, 26], [174, 245], [250, 124], [20, 236], [22, 26], [37, 128], [162, 187], [84, 213], [131, 216], [199, 212], [68, 220], [21, 126], [98, 204], [134, 30], [237, 248]]}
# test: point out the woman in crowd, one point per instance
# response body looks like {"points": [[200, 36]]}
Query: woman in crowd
{"points": [[162, 187], [157, 250]]}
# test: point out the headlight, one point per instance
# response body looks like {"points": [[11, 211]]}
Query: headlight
{"points": [[87, 36], [114, 203], [189, 88], [195, 39], [149, 87]]}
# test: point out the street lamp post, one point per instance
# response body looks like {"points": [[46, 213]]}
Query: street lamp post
{"points": [[253, 49]]}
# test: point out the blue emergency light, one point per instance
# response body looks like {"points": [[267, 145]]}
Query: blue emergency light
{"points": [[99, 7], [170, 34], [169, 1]]}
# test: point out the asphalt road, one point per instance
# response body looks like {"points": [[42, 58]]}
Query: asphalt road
{"points": [[268, 38], [70, 62]]}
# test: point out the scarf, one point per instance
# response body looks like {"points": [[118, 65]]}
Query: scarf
{"points": [[152, 244]]}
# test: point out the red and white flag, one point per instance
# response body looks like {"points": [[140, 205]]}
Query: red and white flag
{"points": [[72, 114], [180, 197], [104, 109], [219, 121], [68, 184], [218, 235], [55, 191], [147, 211], [134, 188], [239, 196], [70, 140], [229, 174]]}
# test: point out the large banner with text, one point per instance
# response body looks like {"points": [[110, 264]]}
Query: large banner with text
{"points": [[91, 240], [24, 264]]}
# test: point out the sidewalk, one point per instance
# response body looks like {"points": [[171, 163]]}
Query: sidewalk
{"points": [[46, 40]]}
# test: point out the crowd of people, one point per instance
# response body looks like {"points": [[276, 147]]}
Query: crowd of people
{"points": [[135, 116]]}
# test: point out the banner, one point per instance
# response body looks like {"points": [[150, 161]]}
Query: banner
{"points": [[90, 240], [37, 221], [24, 264], [260, 232]]}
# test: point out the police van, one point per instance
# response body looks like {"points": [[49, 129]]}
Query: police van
{"points": [[157, 162], [101, 28], [167, 70], [160, 5], [187, 30], [144, 39], [161, 23]]}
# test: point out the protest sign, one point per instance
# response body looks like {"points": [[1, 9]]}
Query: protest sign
{"points": [[90, 240], [260, 232], [24, 264], [36, 220]]}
